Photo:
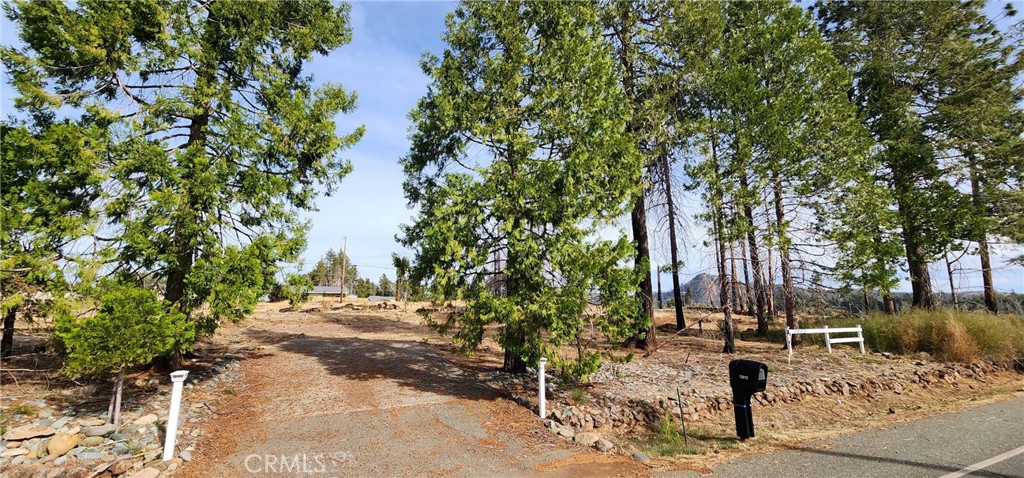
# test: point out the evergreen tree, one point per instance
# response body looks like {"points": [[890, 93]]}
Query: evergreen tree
{"points": [[131, 327], [901, 55], [215, 137], [520, 149], [50, 181]]}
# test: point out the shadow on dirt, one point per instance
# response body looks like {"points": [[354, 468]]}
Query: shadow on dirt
{"points": [[405, 362]]}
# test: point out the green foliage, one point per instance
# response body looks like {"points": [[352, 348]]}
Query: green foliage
{"points": [[296, 289], [667, 440], [327, 270], [519, 157], [385, 286], [212, 135], [937, 86], [363, 287], [130, 327]]}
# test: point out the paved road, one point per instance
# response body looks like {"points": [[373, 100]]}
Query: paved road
{"points": [[932, 447]]}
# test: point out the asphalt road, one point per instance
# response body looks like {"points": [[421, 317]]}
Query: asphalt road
{"points": [[932, 447]]}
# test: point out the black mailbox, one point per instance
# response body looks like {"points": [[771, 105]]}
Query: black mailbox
{"points": [[746, 377]]}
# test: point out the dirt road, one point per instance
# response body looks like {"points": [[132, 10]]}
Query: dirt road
{"points": [[345, 396]]}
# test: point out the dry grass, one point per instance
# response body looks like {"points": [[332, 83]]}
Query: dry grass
{"points": [[949, 335]]}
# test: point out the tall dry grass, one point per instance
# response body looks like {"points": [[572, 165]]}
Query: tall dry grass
{"points": [[948, 335]]}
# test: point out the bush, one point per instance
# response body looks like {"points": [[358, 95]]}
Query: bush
{"points": [[948, 335]]}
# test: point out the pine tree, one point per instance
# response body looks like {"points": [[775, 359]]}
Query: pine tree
{"points": [[520, 149], [216, 136]]}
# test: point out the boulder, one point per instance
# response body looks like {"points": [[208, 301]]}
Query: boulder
{"points": [[145, 420], [61, 443], [100, 430], [586, 438], [121, 467], [29, 431], [603, 445]]}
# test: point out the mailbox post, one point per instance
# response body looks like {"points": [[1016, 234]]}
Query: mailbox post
{"points": [[746, 377]]}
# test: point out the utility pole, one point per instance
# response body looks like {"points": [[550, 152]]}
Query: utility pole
{"points": [[344, 265]]}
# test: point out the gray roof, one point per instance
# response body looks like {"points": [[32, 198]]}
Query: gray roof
{"points": [[326, 290]]}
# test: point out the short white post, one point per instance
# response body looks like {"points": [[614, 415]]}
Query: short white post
{"points": [[541, 392], [177, 383], [860, 335], [828, 340], [789, 342]]}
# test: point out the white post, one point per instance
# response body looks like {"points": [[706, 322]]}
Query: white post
{"points": [[542, 393], [177, 382], [828, 340], [860, 335], [789, 342]]}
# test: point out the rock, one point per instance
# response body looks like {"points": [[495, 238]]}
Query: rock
{"points": [[640, 457], [565, 432], [892, 410], [90, 455], [586, 438], [185, 456], [29, 431], [92, 441], [60, 461], [119, 436], [145, 473], [100, 430], [120, 449], [146, 420], [60, 423], [603, 445], [61, 443], [15, 452], [121, 467], [13, 444], [91, 422]]}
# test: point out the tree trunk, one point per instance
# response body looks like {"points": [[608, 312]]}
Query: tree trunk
{"points": [[644, 338], [755, 263], [788, 291], [677, 295], [952, 285], [7, 343], [114, 411], [982, 239], [729, 346], [657, 270], [890, 306], [920, 278], [746, 280], [864, 295], [734, 277]]}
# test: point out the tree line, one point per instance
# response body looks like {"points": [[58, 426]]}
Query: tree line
{"points": [[848, 143]]}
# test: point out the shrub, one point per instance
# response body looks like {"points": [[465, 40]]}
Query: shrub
{"points": [[132, 327]]}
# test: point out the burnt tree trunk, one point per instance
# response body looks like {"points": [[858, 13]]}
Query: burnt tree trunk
{"points": [[7, 343]]}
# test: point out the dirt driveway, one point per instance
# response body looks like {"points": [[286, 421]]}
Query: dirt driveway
{"points": [[343, 394]]}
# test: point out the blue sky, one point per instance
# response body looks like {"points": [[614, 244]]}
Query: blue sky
{"points": [[382, 65]]}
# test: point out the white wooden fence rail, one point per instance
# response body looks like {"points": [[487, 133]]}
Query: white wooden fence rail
{"points": [[828, 337]]}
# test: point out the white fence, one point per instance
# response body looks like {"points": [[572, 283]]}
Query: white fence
{"points": [[828, 336]]}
